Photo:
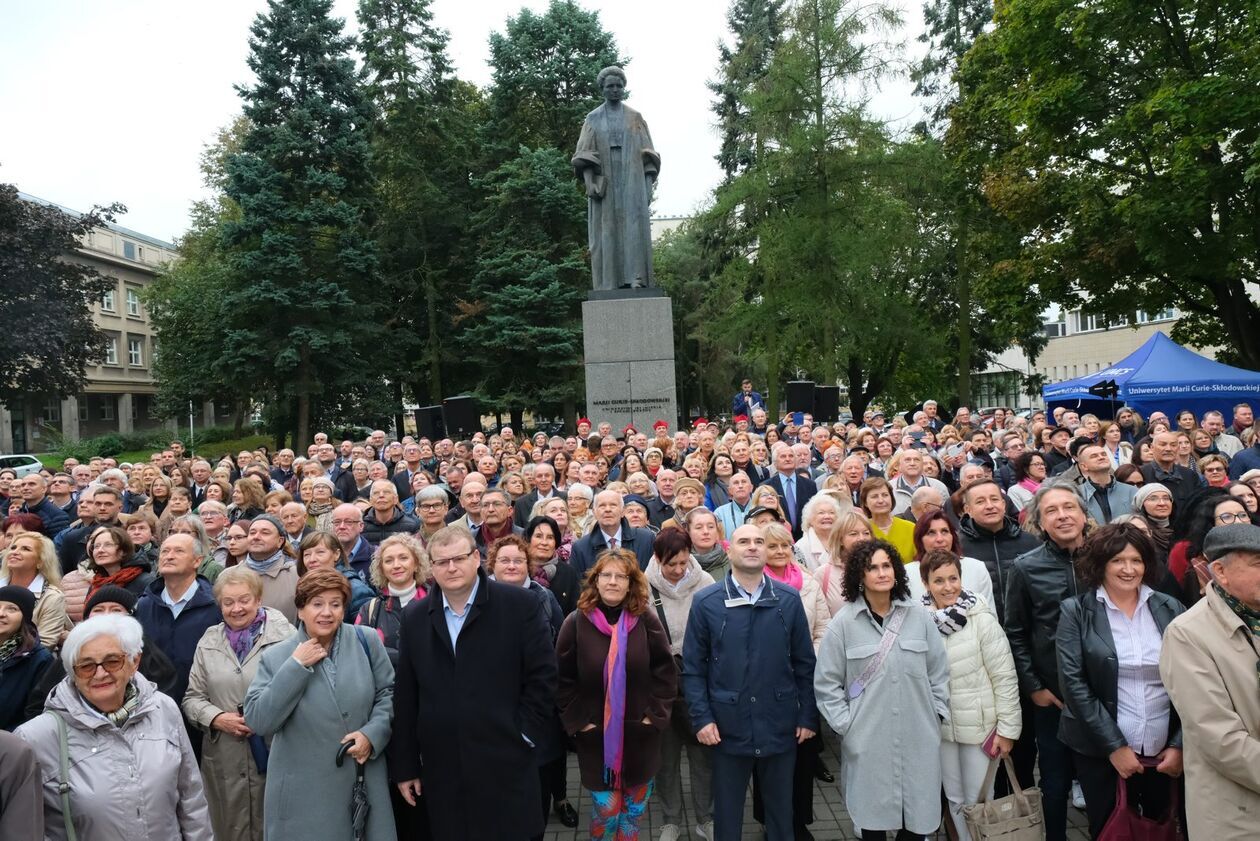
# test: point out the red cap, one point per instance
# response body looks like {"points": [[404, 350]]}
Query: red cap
{"points": [[629, 428], [739, 418], [660, 424], [699, 422], [586, 421]]}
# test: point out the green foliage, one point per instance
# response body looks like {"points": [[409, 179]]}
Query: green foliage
{"points": [[424, 152], [114, 443], [757, 27], [49, 334], [301, 244], [1120, 138]]}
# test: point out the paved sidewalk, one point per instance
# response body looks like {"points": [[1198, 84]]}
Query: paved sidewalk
{"points": [[831, 820]]}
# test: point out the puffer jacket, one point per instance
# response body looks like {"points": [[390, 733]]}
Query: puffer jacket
{"points": [[138, 782], [983, 688], [675, 600], [1038, 583], [998, 550], [374, 531]]}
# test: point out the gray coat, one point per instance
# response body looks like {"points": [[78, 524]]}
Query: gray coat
{"points": [[138, 782], [890, 753], [217, 684], [307, 795]]}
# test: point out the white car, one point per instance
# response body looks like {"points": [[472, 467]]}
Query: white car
{"points": [[21, 464]]}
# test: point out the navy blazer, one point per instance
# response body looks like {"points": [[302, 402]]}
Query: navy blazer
{"points": [[750, 670], [1089, 673], [805, 490]]}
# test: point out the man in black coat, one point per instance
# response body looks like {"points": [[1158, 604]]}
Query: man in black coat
{"points": [[794, 490], [1182, 482], [475, 691], [544, 488], [611, 532]]}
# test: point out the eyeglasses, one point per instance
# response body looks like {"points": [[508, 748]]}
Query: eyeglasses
{"points": [[1230, 517], [611, 577], [345, 522], [450, 562], [432, 506], [112, 664], [499, 504]]}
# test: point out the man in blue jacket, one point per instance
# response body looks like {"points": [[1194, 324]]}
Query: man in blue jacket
{"points": [[176, 610], [611, 532], [33, 489], [748, 674]]}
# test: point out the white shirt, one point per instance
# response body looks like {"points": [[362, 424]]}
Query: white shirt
{"points": [[177, 605], [1142, 703], [609, 538]]}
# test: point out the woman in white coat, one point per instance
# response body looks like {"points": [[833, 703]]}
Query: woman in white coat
{"points": [[983, 687], [888, 711]]}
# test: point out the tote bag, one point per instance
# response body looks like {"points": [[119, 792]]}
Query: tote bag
{"points": [[1016, 817]]}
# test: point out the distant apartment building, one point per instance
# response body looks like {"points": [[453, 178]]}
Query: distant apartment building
{"points": [[120, 389], [1079, 343]]}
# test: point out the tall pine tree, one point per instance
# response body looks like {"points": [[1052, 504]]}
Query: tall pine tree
{"points": [[423, 154], [304, 318], [522, 321]]}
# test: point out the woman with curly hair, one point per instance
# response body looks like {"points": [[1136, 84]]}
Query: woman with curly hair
{"points": [[887, 708]]}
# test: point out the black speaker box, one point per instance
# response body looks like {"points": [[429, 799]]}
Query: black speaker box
{"points": [[429, 422], [461, 416], [800, 396], [827, 403]]}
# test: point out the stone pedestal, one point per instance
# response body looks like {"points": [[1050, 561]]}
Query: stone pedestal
{"points": [[125, 423], [628, 336]]}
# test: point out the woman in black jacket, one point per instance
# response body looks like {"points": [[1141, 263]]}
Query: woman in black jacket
{"points": [[400, 572], [1118, 719], [543, 536]]}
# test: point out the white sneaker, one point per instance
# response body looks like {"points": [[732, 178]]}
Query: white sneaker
{"points": [[705, 830], [669, 832], [1078, 796]]}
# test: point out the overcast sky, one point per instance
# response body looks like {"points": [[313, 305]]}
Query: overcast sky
{"points": [[105, 102]]}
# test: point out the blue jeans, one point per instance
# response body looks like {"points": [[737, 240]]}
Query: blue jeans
{"points": [[1055, 760]]}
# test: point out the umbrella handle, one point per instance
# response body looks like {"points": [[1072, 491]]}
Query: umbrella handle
{"points": [[341, 753]]}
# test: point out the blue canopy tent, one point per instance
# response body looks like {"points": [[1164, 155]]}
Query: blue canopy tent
{"points": [[1160, 375]]}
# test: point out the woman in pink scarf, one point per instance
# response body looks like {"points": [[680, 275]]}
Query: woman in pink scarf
{"points": [[617, 686], [1029, 471]]}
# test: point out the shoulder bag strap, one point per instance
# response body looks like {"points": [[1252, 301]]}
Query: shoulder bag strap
{"points": [[892, 627], [63, 774], [363, 642], [374, 610], [660, 612]]}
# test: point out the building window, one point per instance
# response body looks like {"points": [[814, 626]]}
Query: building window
{"points": [[83, 408], [52, 411], [111, 352], [107, 301], [135, 406], [135, 351], [133, 302], [129, 250], [107, 408]]}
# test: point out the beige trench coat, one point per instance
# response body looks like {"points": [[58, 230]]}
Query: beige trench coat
{"points": [[217, 684], [1208, 665]]}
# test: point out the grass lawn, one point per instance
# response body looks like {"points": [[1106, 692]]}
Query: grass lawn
{"points": [[212, 451]]}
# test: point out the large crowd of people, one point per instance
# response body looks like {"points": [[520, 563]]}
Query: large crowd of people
{"points": [[245, 648]]}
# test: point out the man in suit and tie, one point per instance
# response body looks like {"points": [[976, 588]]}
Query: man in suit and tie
{"points": [[544, 488], [402, 478], [200, 481], [794, 490], [475, 690]]}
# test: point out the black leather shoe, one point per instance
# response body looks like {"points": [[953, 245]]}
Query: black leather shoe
{"points": [[822, 774], [567, 814]]}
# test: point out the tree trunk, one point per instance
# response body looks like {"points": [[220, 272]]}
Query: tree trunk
{"points": [[238, 419], [303, 437], [399, 420], [569, 414], [433, 347], [518, 420], [963, 294]]}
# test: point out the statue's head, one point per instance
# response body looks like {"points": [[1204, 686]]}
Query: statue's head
{"points": [[612, 81]]}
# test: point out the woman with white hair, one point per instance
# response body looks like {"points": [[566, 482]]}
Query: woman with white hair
{"points": [[820, 516], [128, 762]]}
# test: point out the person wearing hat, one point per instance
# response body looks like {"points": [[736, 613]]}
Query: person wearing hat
{"points": [[154, 664], [1058, 458], [23, 659], [269, 554], [1210, 665], [688, 495], [636, 512], [660, 429]]}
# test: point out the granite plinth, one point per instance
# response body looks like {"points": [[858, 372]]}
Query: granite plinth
{"points": [[629, 352]]}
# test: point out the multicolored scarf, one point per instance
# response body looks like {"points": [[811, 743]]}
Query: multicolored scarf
{"points": [[242, 641], [790, 575], [614, 690], [952, 619], [10, 646], [131, 700]]}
